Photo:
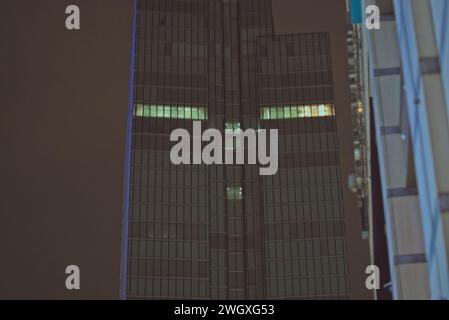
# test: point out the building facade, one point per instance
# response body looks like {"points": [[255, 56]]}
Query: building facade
{"points": [[225, 231], [408, 83]]}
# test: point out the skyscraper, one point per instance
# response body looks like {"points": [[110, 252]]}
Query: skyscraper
{"points": [[224, 231]]}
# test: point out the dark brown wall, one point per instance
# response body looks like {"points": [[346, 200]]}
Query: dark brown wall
{"points": [[63, 118], [380, 245], [295, 16]]}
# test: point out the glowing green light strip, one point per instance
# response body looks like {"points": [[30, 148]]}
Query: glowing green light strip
{"points": [[234, 193], [232, 125], [170, 112], [295, 112]]}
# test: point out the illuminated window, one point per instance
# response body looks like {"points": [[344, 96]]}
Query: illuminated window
{"points": [[232, 125], [234, 193], [360, 107], [170, 112], [294, 112]]}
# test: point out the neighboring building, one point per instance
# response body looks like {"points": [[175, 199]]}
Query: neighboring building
{"points": [[225, 232], [365, 181], [408, 81]]}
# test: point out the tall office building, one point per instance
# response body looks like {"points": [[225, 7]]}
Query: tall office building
{"points": [[225, 231], [407, 85]]}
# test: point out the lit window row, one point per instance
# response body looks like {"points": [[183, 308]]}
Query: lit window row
{"points": [[294, 112], [170, 112]]}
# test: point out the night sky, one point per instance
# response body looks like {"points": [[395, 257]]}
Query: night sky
{"points": [[64, 98]]}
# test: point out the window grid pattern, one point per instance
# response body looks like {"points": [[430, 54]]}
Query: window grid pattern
{"points": [[294, 112], [305, 249], [168, 254], [223, 232]]}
